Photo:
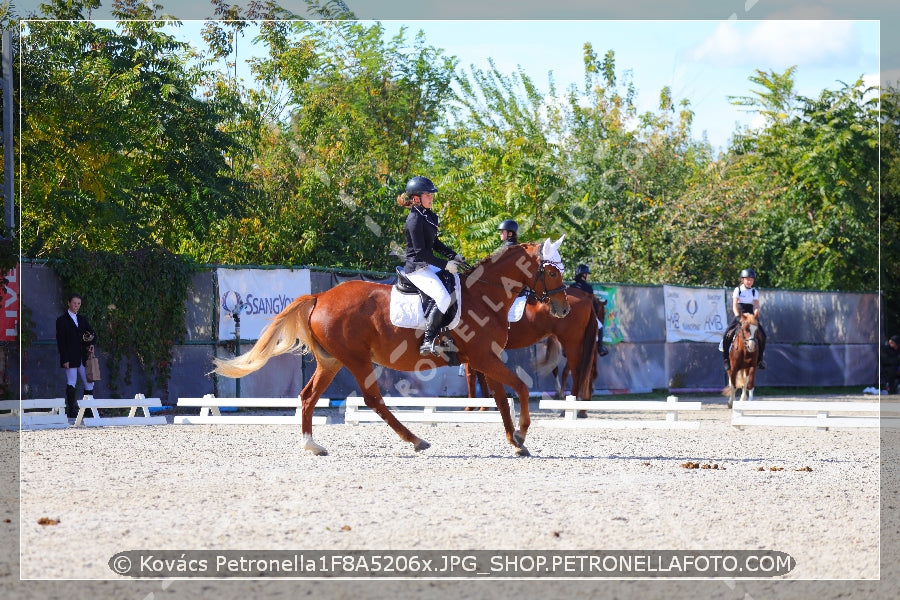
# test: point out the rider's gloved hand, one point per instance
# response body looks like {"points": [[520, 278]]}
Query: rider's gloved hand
{"points": [[461, 263]]}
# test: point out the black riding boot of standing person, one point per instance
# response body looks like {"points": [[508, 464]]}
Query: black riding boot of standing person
{"points": [[71, 403]]}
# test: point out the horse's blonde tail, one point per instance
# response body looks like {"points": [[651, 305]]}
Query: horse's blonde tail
{"points": [[551, 356], [288, 332]]}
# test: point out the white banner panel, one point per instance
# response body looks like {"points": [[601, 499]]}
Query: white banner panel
{"points": [[262, 293], [696, 315]]}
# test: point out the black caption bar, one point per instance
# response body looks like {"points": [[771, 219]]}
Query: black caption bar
{"points": [[451, 563]]}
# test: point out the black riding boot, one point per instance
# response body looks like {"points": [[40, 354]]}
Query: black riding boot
{"points": [[432, 324], [601, 349], [726, 348], [71, 404]]}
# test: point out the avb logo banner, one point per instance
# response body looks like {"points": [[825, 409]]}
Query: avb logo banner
{"points": [[695, 315], [256, 295]]}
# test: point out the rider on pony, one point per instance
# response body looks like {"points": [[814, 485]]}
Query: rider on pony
{"points": [[581, 273], [745, 299], [422, 267]]}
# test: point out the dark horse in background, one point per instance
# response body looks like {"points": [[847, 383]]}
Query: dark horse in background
{"points": [[350, 326], [575, 335], [743, 358]]}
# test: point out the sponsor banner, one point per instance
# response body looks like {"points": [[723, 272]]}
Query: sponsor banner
{"points": [[695, 314], [256, 295], [9, 316]]}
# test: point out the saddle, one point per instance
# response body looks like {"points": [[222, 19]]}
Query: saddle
{"points": [[406, 312]]}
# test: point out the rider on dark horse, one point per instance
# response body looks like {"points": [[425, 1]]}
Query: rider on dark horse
{"points": [[581, 273], [745, 299], [422, 266]]}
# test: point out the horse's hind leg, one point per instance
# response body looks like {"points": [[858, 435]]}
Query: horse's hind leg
{"points": [[365, 377], [326, 369]]}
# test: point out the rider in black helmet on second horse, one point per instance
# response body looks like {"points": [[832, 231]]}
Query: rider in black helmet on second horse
{"points": [[581, 273], [422, 266], [744, 299], [509, 233]]}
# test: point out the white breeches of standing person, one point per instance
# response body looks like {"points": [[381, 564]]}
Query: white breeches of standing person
{"points": [[427, 281], [72, 375]]}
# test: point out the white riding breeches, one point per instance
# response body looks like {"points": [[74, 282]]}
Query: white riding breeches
{"points": [[72, 377], [427, 281]]}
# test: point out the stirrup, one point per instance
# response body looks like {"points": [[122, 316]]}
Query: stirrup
{"points": [[761, 365], [727, 364], [427, 348], [602, 350]]}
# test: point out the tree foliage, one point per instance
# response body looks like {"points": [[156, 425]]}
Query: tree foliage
{"points": [[117, 152], [130, 140], [354, 114]]}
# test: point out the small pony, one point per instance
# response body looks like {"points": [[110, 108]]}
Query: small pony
{"points": [[743, 357]]}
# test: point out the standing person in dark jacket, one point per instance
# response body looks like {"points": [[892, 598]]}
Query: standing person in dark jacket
{"points": [[75, 341], [422, 266], [890, 364]]}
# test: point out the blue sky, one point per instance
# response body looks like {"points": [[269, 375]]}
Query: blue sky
{"points": [[702, 61]]}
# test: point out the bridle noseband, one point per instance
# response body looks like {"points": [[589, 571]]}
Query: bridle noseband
{"points": [[542, 274]]}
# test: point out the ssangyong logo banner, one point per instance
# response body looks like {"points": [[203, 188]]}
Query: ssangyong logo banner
{"points": [[256, 295]]}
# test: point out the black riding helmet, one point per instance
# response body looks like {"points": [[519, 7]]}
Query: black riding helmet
{"points": [[748, 273], [582, 270], [420, 185], [509, 225]]}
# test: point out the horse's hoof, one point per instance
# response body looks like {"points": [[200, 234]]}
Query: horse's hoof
{"points": [[522, 451], [311, 446], [519, 439], [422, 445]]}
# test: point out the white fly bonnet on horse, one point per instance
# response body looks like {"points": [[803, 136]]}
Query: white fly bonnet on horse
{"points": [[550, 252]]}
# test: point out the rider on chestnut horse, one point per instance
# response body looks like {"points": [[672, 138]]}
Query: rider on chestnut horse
{"points": [[745, 299], [422, 267], [581, 273]]}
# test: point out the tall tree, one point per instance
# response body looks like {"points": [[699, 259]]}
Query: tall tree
{"points": [[358, 113], [117, 151]]}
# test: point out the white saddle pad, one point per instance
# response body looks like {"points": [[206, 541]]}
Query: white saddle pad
{"points": [[406, 309], [517, 309]]}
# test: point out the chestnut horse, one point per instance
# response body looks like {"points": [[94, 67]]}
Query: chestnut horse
{"points": [[561, 375], [577, 334], [743, 356], [349, 325]]}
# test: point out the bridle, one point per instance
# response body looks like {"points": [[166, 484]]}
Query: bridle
{"points": [[528, 291], [542, 275], [747, 331]]}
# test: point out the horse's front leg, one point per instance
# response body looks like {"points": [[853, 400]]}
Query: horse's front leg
{"points": [[751, 382], [515, 437], [365, 377]]}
